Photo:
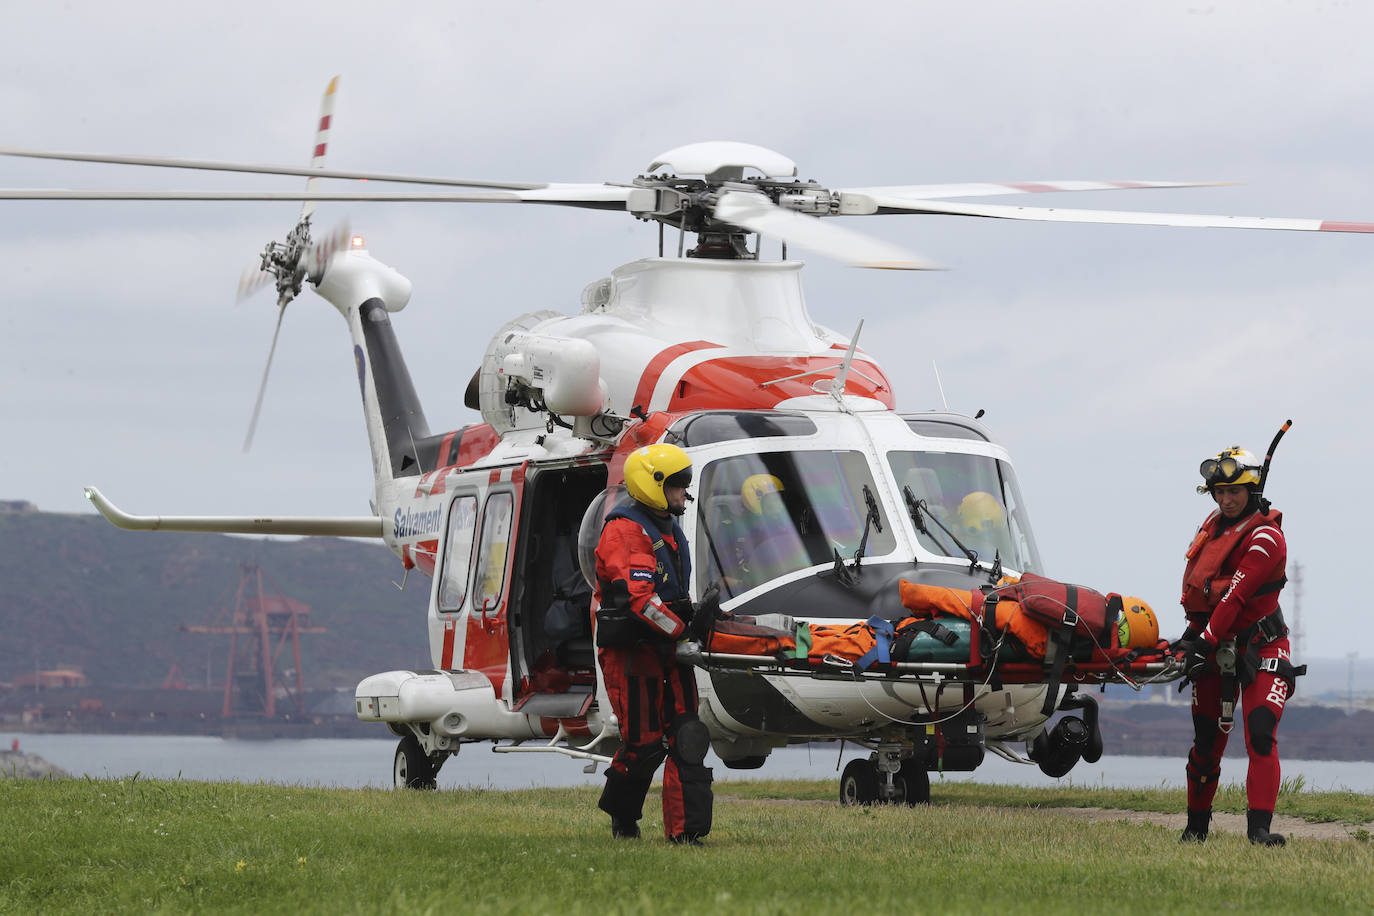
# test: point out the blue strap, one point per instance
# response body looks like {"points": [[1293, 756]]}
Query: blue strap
{"points": [[674, 576], [883, 631]]}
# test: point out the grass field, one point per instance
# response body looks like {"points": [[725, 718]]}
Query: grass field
{"points": [[777, 847]]}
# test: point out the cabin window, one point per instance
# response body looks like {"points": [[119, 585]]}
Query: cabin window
{"points": [[766, 515], [976, 498], [491, 556], [462, 524]]}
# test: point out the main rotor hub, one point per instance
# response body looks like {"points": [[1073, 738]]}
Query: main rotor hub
{"points": [[725, 160]]}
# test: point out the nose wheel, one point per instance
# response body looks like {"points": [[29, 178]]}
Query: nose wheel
{"points": [[885, 779], [413, 768], [859, 783]]}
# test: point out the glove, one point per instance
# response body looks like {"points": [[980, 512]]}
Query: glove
{"points": [[1196, 657], [1181, 644], [684, 609], [704, 614]]}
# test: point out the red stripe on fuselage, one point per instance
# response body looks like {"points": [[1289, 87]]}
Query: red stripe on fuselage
{"points": [[1335, 226], [738, 382], [649, 380], [446, 657], [444, 447], [324, 122], [476, 442]]}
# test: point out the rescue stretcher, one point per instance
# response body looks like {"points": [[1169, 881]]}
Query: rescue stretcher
{"points": [[970, 648]]}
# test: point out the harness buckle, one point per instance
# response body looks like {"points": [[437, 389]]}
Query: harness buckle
{"points": [[1070, 618], [1228, 717], [1269, 664], [1272, 626]]}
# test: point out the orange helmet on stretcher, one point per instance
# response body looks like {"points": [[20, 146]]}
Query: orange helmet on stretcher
{"points": [[1138, 628]]}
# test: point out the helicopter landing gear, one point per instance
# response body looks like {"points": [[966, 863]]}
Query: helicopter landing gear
{"points": [[413, 768], [859, 783], [913, 783], [885, 778]]}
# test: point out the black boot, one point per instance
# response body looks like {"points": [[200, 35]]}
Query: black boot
{"points": [[623, 800], [1257, 829], [624, 829], [1196, 831]]}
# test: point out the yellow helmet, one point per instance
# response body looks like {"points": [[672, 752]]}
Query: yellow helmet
{"points": [[978, 512], [1138, 627], [1231, 466], [649, 469], [755, 488]]}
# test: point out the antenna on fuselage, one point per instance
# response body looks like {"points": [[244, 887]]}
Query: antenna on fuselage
{"points": [[939, 384], [842, 375]]}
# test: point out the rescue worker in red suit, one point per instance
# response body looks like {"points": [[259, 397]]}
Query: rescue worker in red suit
{"points": [[1235, 571], [643, 573]]}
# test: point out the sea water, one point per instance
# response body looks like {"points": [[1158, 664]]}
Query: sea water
{"points": [[364, 762]]}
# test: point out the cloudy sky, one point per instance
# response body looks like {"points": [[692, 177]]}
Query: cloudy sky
{"points": [[1110, 359]]}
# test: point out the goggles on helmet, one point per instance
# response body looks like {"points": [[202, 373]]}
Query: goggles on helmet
{"points": [[1223, 470]]}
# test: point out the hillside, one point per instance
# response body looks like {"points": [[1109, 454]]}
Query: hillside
{"points": [[76, 591]]}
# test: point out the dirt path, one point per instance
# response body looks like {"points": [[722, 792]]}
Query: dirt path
{"points": [[1221, 823]]}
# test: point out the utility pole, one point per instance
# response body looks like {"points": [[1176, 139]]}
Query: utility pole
{"points": [[1350, 682]]}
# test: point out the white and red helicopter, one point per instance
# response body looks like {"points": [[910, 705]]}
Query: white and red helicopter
{"points": [[707, 345]]}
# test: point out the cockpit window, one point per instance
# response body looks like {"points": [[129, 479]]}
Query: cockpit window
{"points": [[943, 429], [765, 515], [976, 497], [723, 426]]}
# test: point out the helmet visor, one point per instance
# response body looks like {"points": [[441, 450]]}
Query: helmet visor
{"points": [[682, 478]]}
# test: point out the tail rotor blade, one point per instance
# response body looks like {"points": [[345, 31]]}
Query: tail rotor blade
{"points": [[323, 251], [251, 280], [262, 388], [321, 144]]}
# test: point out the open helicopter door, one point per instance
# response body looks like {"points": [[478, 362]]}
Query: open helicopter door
{"points": [[553, 660], [469, 602]]}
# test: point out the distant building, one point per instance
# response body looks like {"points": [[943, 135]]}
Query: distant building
{"points": [[16, 507], [58, 677]]}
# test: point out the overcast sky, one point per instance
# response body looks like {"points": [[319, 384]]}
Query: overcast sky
{"points": [[1109, 359]]}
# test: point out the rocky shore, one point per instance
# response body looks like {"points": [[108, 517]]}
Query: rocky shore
{"points": [[23, 765]]}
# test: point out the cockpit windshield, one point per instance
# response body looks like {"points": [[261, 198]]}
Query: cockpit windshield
{"points": [[762, 516], [974, 496]]}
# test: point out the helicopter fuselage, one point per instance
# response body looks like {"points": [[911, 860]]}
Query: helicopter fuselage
{"points": [[721, 359]]}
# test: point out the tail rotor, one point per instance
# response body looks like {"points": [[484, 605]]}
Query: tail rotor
{"points": [[288, 264]]}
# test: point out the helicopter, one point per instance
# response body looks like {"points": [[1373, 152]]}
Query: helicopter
{"points": [[711, 347]]}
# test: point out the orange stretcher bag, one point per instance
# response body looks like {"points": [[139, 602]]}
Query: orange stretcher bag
{"points": [[931, 600], [740, 637]]}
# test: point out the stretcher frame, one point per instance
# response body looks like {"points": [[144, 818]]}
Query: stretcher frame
{"points": [[1152, 670]]}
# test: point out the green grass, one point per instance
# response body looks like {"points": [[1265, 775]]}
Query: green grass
{"points": [[133, 845], [1318, 807]]}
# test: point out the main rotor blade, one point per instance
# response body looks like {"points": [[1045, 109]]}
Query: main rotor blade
{"points": [[594, 196], [262, 388], [990, 188], [758, 214], [214, 166], [1123, 217]]}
